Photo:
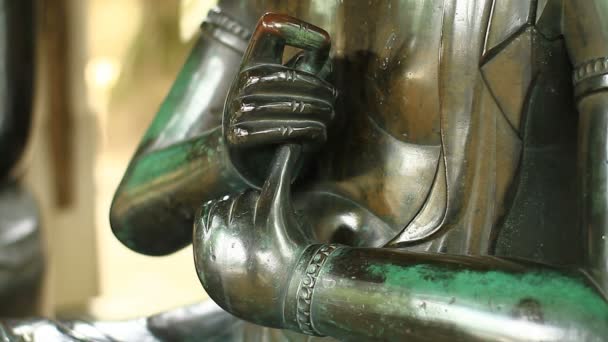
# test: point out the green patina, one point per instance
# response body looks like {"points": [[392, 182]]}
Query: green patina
{"points": [[561, 298], [152, 166]]}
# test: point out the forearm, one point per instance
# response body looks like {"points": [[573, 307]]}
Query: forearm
{"points": [[586, 32], [154, 206], [181, 161], [391, 295]]}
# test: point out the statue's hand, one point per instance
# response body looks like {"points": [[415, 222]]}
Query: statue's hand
{"points": [[275, 104], [246, 247], [270, 103]]}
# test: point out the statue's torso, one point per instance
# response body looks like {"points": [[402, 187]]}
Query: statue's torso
{"points": [[457, 128]]}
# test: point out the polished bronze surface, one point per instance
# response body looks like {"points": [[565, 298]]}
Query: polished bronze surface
{"points": [[454, 133], [456, 189], [151, 212]]}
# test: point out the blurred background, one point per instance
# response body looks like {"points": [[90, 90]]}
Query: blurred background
{"points": [[103, 68]]}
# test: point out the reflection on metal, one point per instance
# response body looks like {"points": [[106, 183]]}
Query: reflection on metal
{"points": [[201, 322], [494, 137], [429, 218], [453, 140], [150, 212]]}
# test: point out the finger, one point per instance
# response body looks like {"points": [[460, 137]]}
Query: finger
{"points": [[274, 204], [274, 31], [310, 62], [327, 70], [278, 79], [266, 132], [255, 108], [297, 61]]}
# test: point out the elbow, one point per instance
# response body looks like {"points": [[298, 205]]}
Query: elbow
{"points": [[147, 228]]}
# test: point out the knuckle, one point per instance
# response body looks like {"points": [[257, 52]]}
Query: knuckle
{"points": [[249, 80], [237, 135], [243, 107], [270, 18], [298, 106]]}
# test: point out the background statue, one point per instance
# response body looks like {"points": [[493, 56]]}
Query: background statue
{"points": [[21, 260]]}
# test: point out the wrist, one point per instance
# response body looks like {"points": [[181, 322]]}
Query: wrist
{"points": [[300, 292]]}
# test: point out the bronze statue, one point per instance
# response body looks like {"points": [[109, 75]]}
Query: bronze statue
{"points": [[416, 178], [454, 135]]}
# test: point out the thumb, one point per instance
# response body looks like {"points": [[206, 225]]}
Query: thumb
{"points": [[274, 211]]}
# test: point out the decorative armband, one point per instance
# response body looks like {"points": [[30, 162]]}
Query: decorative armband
{"points": [[307, 276], [226, 30], [591, 77]]}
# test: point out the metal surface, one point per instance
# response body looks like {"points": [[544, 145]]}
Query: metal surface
{"points": [[199, 322], [455, 134]]}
